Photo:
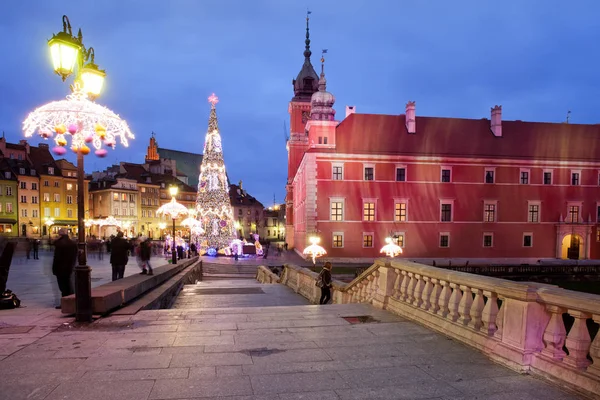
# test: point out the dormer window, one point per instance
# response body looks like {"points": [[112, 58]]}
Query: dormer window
{"points": [[50, 171], [32, 172], [22, 171], [308, 83]]}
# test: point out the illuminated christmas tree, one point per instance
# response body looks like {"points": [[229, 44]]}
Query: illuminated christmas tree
{"points": [[213, 205]]}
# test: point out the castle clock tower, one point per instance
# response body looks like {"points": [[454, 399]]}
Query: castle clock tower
{"points": [[305, 84]]}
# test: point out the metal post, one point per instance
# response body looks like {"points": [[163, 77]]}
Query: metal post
{"points": [[83, 273], [173, 247]]}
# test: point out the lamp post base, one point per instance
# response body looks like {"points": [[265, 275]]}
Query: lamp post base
{"points": [[83, 293]]}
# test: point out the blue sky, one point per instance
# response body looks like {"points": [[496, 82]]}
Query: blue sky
{"points": [[538, 58]]}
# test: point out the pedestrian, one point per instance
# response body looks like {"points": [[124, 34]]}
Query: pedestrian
{"points": [[36, 247], [65, 256], [324, 282], [194, 249], [101, 249], [279, 250], [119, 248], [285, 246], [145, 254], [28, 247]]}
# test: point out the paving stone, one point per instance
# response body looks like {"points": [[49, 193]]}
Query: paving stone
{"points": [[199, 360], [208, 326], [203, 333], [41, 378], [100, 390], [202, 372], [137, 362], [25, 391], [182, 350], [192, 388], [288, 368], [203, 340], [453, 372], [326, 395], [366, 351], [417, 390], [382, 377], [136, 374], [139, 341], [229, 370], [15, 366], [247, 346], [276, 356], [297, 382]]}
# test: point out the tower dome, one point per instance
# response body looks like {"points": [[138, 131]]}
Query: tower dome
{"points": [[321, 102]]}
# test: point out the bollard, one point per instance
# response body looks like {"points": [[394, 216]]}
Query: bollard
{"points": [[83, 293]]}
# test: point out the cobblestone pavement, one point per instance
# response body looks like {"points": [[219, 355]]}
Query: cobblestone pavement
{"points": [[212, 349]]}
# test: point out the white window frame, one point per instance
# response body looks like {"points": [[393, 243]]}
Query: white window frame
{"points": [[337, 200], [50, 170], [523, 239], [365, 166], [403, 238], [483, 240], [521, 170], [534, 203], [333, 166], [343, 240], [574, 171], [446, 201], [367, 200], [46, 211], [491, 202], [21, 171], [574, 204], [56, 212], [372, 240], [440, 240], [485, 171], [551, 171], [405, 168], [401, 201], [442, 168]]}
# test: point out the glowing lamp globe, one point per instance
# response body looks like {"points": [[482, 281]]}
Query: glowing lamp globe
{"points": [[391, 249], [93, 80], [314, 250], [173, 191], [64, 50]]}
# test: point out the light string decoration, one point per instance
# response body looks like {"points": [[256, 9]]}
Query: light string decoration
{"points": [[314, 250], [172, 209], [85, 121], [213, 206], [391, 249]]}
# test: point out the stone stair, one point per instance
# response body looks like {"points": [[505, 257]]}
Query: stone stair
{"points": [[227, 271]]}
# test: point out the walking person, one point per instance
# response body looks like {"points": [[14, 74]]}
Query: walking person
{"points": [[325, 283], [65, 257], [36, 247], [145, 254], [119, 249], [28, 247]]}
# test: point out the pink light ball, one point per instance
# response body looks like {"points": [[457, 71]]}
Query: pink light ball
{"points": [[46, 133], [72, 129], [89, 139], [110, 142], [59, 151], [101, 153]]}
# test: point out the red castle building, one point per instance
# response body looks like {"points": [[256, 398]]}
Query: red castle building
{"points": [[441, 187]]}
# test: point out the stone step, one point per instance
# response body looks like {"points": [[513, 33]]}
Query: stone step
{"points": [[211, 276]]}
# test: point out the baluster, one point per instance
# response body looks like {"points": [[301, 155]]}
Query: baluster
{"points": [[418, 290], [426, 293], [578, 341], [397, 282], [376, 282], [464, 306], [555, 334], [490, 311], [404, 286], [500, 320], [411, 288], [444, 299], [435, 294], [454, 301], [476, 310], [595, 352]]}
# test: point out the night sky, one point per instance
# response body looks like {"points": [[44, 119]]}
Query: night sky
{"points": [[538, 59]]}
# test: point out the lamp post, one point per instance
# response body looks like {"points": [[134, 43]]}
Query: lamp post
{"points": [[174, 210], [86, 122], [49, 222]]}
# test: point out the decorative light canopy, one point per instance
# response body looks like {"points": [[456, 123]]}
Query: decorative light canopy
{"points": [[80, 118], [172, 209], [49, 221], [314, 250], [391, 249], [162, 225]]}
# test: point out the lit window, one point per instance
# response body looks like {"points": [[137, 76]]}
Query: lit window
{"points": [[533, 214], [368, 240], [337, 210], [400, 212], [338, 240], [573, 214], [489, 212], [368, 211]]}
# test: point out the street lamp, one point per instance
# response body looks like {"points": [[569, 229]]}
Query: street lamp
{"points": [[49, 222], [87, 123], [173, 210], [314, 250]]}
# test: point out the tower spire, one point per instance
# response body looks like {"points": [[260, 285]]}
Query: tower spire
{"points": [[307, 51], [322, 80]]}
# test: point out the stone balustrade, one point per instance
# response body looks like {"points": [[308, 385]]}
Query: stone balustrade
{"points": [[265, 275], [520, 324]]}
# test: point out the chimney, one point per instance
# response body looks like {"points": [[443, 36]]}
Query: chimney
{"points": [[497, 121], [350, 110], [411, 123]]}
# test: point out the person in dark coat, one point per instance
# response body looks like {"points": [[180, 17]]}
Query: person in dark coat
{"points": [[28, 247], [65, 257], [36, 247], [145, 254], [325, 277], [119, 250]]}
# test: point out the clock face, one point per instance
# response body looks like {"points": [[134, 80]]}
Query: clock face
{"points": [[305, 116]]}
